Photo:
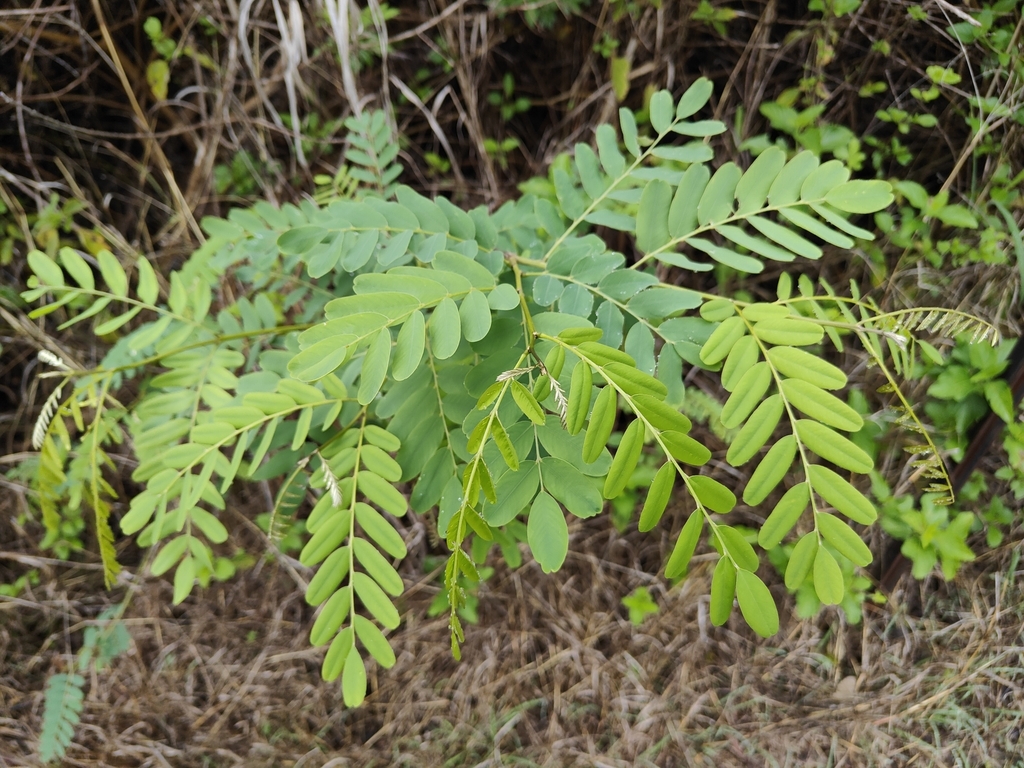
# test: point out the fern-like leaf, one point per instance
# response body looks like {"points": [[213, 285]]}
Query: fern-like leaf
{"points": [[61, 713]]}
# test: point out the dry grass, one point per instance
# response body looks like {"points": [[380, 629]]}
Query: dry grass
{"points": [[554, 674]]}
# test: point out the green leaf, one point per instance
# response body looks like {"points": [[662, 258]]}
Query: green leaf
{"points": [[721, 341], [527, 403], [723, 590], [374, 641], [547, 533], [684, 448], [820, 405], [353, 679], [608, 150], [445, 329], [80, 270], [602, 421], [476, 316], [626, 458], [660, 110], [333, 615], [784, 516], [770, 471], [409, 347], [738, 547], [755, 433], [577, 493], [828, 578], [629, 133], [752, 188], [743, 356], [514, 491], [663, 301], [169, 555], [375, 366], [382, 493], [503, 296], [756, 604], [46, 269], [379, 569], [337, 654], [787, 331], [785, 190], [505, 447], [861, 196], [694, 99], [685, 546], [716, 202], [823, 178], [328, 577], [660, 414], [798, 364], [832, 446], [300, 240], [658, 496], [580, 387], [113, 273], [748, 393], [712, 494], [375, 601], [184, 579], [841, 536], [801, 561], [320, 359], [652, 216], [682, 214]]}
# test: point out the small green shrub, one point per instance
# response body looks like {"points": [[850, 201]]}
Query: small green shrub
{"points": [[389, 351]]}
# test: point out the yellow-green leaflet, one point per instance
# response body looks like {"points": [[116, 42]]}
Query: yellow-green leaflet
{"points": [[378, 462], [554, 361], [789, 332], [375, 601], [382, 493], [720, 343], [717, 310], [756, 604], [801, 561], [784, 516], [377, 528], [828, 578], [748, 393], [374, 641], [660, 414], [658, 496], [820, 405], [832, 446], [685, 546], [738, 547], [770, 471], [602, 420], [409, 347], [505, 447], [328, 577], [379, 569], [798, 364], [326, 539], [334, 661], [840, 494], [579, 398], [625, 461], [527, 403], [743, 355], [755, 433], [755, 313], [332, 616], [542, 388], [353, 679], [723, 589], [712, 494], [842, 537], [684, 448]]}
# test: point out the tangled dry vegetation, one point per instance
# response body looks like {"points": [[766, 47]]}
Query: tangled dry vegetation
{"points": [[554, 674]]}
